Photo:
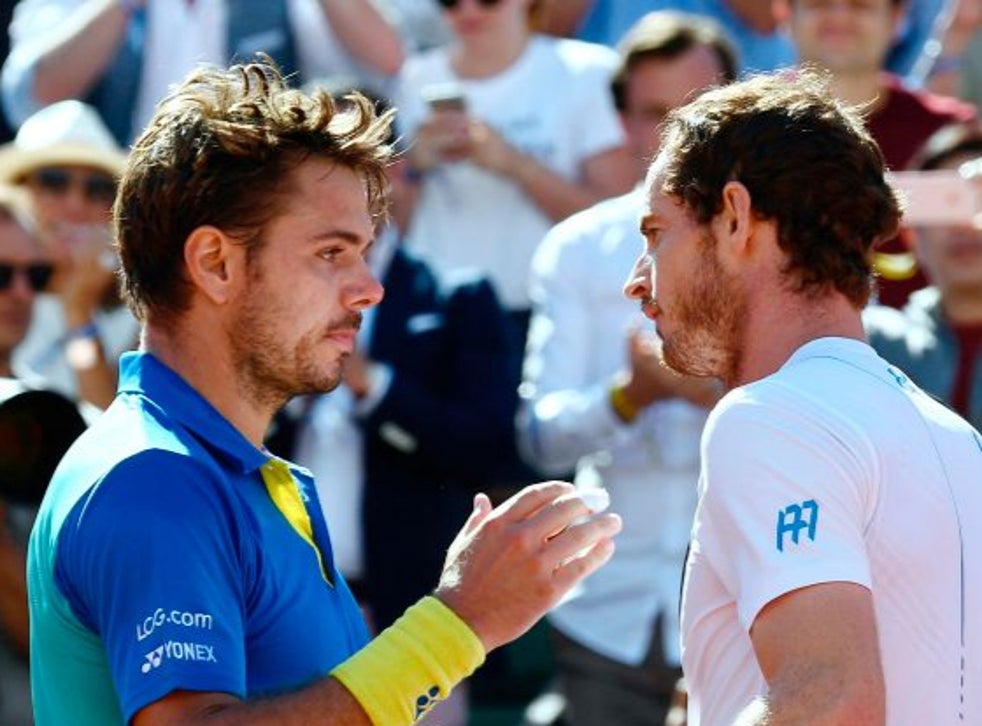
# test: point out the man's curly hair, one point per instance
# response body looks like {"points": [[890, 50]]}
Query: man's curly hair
{"points": [[809, 163], [219, 151]]}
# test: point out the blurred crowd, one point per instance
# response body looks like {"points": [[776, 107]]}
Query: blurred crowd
{"points": [[504, 350]]}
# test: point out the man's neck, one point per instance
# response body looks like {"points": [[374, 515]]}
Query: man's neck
{"points": [[778, 325], [204, 362]]}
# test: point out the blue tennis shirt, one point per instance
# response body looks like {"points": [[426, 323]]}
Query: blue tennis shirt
{"points": [[159, 562]]}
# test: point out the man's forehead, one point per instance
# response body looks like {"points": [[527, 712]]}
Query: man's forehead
{"points": [[653, 181]]}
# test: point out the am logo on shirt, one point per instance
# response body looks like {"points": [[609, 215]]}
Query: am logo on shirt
{"points": [[793, 519]]}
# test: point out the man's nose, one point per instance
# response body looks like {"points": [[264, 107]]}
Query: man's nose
{"points": [[365, 290], [638, 283]]}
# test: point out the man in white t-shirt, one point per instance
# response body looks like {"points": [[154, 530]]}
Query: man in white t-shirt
{"points": [[835, 568]]}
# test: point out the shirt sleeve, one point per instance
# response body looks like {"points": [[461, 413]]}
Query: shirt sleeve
{"points": [[150, 561], [785, 502], [33, 24]]}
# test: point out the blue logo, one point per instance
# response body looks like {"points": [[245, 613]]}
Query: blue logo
{"points": [[427, 700], [794, 518]]}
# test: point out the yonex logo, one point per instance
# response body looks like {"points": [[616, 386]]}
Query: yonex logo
{"points": [[794, 518], [154, 657], [174, 650], [426, 701]]}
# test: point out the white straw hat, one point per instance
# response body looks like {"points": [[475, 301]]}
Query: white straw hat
{"points": [[66, 133]]}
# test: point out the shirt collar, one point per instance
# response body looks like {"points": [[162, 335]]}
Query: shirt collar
{"points": [[145, 375]]}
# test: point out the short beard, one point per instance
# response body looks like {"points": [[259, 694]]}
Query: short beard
{"points": [[711, 314], [269, 374]]}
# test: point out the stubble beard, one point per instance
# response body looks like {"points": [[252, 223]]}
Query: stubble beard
{"points": [[270, 374], [710, 314]]}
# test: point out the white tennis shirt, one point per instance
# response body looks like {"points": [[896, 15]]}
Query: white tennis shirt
{"points": [[838, 468]]}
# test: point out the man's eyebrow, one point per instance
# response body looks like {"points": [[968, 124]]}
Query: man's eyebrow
{"points": [[339, 234]]}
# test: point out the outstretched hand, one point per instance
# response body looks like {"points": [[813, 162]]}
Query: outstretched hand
{"points": [[508, 566]]}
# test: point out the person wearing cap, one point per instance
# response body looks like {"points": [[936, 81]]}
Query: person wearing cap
{"points": [[937, 337], [67, 160], [24, 272]]}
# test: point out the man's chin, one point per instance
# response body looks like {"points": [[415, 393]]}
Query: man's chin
{"points": [[685, 361]]}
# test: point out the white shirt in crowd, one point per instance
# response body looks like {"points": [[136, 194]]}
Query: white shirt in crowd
{"points": [[553, 103]]}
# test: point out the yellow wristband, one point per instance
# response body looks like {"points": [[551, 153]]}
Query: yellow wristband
{"points": [[412, 664], [624, 409]]}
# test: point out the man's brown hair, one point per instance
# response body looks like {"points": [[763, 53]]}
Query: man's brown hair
{"points": [[810, 166], [220, 151]]}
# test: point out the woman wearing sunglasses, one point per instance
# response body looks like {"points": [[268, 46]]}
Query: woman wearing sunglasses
{"points": [[67, 161], [508, 131]]}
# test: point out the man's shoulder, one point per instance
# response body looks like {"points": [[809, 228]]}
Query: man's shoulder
{"points": [[126, 445]]}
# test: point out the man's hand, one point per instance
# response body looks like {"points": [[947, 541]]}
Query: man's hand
{"points": [[91, 273], [490, 150], [445, 135], [508, 566]]}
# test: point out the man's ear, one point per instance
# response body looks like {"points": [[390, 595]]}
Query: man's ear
{"points": [[214, 262], [733, 225]]}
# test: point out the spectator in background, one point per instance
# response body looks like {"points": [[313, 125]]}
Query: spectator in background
{"points": [[24, 272], [532, 138], [598, 398], [937, 338], [121, 55], [756, 28], [66, 159], [851, 40]]}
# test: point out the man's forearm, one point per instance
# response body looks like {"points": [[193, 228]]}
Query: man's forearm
{"points": [[79, 51], [365, 33]]}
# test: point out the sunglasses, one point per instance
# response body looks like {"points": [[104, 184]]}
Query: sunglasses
{"points": [[451, 4], [38, 275], [98, 188]]}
